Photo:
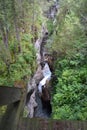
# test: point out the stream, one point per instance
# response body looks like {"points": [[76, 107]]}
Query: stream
{"points": [[35, 103]]}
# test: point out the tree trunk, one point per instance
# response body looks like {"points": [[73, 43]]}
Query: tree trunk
{"points": [[16, 26], [4, 28]]}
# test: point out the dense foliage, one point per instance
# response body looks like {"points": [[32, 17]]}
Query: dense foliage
{"points": [[20, 26], [70, 45]]}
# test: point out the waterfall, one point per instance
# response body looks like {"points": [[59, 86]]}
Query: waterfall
{"points": [[35, 104]]}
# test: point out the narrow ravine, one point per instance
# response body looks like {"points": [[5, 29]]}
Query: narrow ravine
{"points": [[36, 106], [40, 111]]}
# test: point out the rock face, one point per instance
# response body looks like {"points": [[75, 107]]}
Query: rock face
{"points": [[41, 54], [37, 47], [31, 105], [33, 83]]}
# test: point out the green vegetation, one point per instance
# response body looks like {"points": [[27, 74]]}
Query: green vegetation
{"points": [[20, 26], [70, 44], [17, 67], [2, 111]]}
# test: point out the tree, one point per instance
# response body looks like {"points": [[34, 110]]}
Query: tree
{"points": [[70, 43]]}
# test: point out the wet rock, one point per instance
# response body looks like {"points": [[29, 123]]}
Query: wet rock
{"points": [[35, 80], [31, 105]]}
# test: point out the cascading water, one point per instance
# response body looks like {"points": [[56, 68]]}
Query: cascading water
{"points": [[37, 107]]}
